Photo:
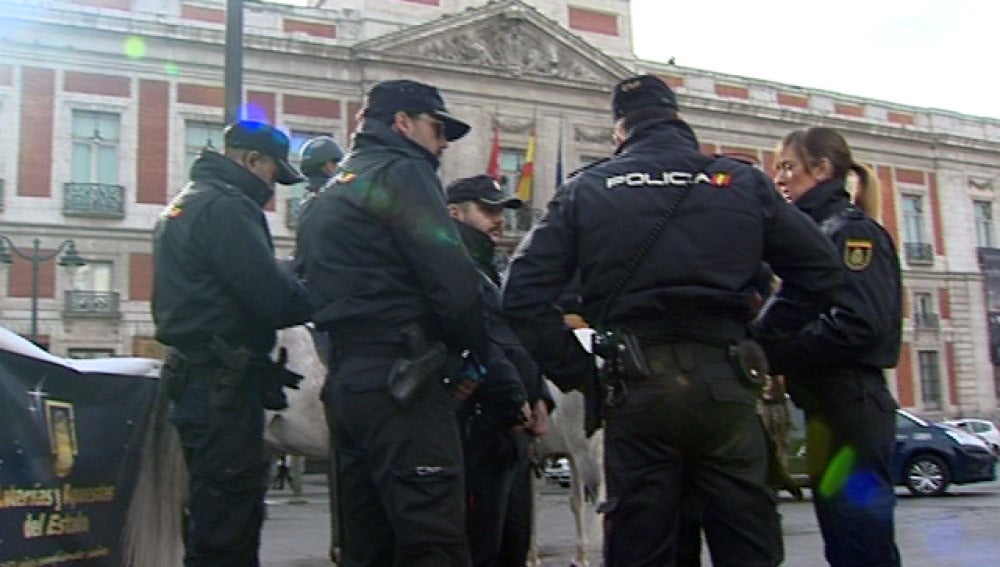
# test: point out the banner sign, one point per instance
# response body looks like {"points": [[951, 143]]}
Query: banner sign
{"points": [[70, 448]]}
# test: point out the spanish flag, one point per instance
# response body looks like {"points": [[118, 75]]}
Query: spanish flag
{"points": [[493, 167], [527, 178]]}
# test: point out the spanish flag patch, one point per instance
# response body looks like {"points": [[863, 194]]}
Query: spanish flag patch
{"points": [[174, 212], [858, 253]]}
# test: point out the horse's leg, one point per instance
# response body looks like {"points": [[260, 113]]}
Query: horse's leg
{"points": [[577, 506], [536, 495]]}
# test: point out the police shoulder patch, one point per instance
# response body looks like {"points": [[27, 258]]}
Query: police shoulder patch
{"points": [[858, 253]]}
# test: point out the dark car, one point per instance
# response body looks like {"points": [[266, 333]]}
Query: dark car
{"points": [[928, 457]]}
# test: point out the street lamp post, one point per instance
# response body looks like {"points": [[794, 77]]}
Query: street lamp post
{"points": [[37, 258]]}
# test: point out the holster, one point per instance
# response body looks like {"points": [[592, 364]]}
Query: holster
{"points": [[422, 364], [750, 363], [230, 374], [624, 361], [175, 374]]}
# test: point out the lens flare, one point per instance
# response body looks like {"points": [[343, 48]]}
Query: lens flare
{"points": [[134, 47], [837, 472]]}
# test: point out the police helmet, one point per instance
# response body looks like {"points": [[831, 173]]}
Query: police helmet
{"points": [[316, 152]]}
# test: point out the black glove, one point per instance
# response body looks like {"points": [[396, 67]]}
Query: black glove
{"points": [[284, 376], [277, 376]]}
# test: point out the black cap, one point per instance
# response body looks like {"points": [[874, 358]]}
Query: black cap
{"points": [[266, 139], [481, 188], [388, 97], [641, 92]]}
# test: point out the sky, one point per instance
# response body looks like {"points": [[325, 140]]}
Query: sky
{"points": [[927, 53]]}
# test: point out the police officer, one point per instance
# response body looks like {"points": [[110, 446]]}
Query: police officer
{"points": [[496, 439], [383, 263], [318, 160], [681, 418], [834, 364], [218, 297]]}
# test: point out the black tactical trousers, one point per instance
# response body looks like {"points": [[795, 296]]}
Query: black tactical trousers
{"points": [[517, 522], [491, 458], [228, 475], [399, 471], [849, 456], [690, 429]]}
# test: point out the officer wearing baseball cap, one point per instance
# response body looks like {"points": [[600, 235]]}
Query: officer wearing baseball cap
{"points": [[388, 274], [651, 231], [218, 299]]}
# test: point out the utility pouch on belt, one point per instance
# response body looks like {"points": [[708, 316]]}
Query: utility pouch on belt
{"points": [[231, 374], [422, 364], [622, 354], [175, 373], [750, 363]]}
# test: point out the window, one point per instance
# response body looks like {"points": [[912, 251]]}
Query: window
{"points": [[984, 223], [511, 162], [924, 315], [198, 136], [94, 276], [916, 250], [930, 379], [95, 147]]}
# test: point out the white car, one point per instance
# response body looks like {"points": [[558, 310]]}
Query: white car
{"points": [[984, 428], [559, 473]]}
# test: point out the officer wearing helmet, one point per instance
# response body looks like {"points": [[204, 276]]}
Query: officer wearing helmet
{"points": [[318, 159]]}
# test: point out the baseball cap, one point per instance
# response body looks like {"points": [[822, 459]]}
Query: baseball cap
{"points": [[388, 97], [481, 188], [640, 92], [266, 139]]}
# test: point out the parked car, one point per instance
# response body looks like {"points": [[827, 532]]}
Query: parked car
{"points": [[981, 427], [927, 458], [559, 472]]}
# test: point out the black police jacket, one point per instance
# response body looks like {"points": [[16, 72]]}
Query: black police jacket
{"points": [[863, 326], [699, 276], [214, 271], [380, 252]]}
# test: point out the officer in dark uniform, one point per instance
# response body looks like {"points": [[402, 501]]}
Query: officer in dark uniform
{"points": [[388, 274], [318, 160], [218, 297], [681, 414], [496, 438], [834, 364]]}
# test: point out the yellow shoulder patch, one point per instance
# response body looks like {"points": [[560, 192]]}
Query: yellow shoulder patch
{"points": [[858, 253], [174, 212]]}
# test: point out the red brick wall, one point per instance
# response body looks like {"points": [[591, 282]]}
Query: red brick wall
{"points": [[798, 101], [769, 157], [914, 176], [154, 109], [140, 277], [849, 109], [901, 118], [91, 83], [673, 81], [581, 19], [189, 12], [19, 284], [263, 102], [944, 299], [935, 213], [732, 91], [904, 377], [311, 28], [887, 189], [201, 94], [311, 106], [35, 146]]}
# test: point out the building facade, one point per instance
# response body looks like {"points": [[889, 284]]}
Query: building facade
{"points": [[105, 103]]}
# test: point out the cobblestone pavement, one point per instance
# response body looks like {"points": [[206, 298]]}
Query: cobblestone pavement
{"points": [[958, 529]]}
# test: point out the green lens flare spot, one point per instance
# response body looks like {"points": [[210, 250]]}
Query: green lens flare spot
{"points": [[134, 47], [837, 472]]}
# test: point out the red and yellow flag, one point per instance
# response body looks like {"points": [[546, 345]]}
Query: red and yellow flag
{"points": [[527, 178], [493, 167]]}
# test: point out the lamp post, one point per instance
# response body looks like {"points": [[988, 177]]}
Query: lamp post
{"points": [[70, 259]]}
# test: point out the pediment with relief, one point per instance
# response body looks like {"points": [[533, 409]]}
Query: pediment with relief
{"points": [[509, 38]]}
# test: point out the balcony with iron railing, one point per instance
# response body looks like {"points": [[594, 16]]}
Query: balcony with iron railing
{"points": [[919, 252], [101, 200], [926, 321], [94, 304]]}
